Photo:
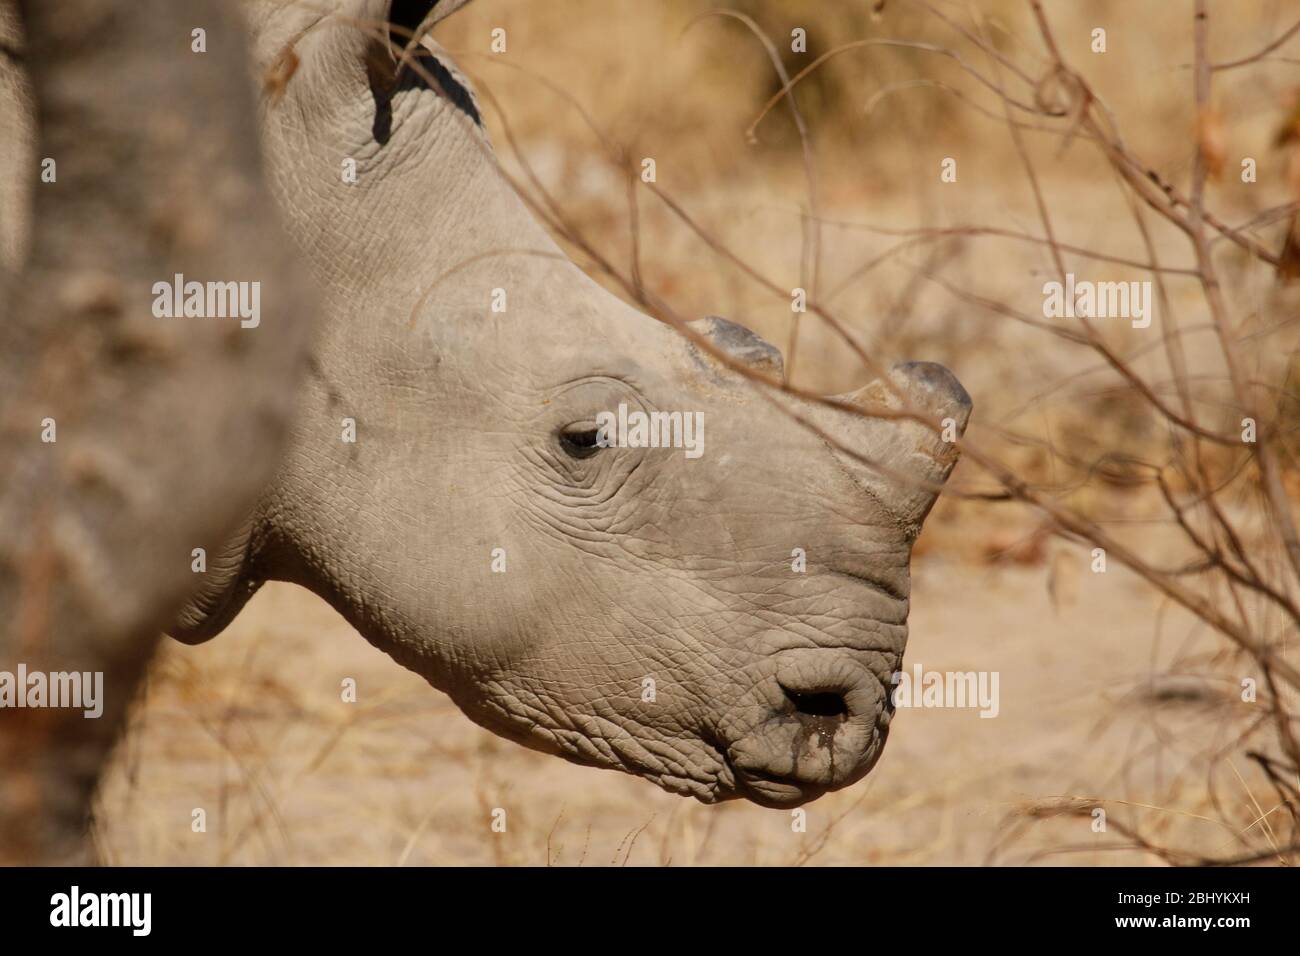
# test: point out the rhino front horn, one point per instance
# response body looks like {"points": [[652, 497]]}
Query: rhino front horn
{"points": [[912, 460], [741, 344]]}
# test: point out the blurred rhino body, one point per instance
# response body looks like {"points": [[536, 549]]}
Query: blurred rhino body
{"points": [[724, 624]]}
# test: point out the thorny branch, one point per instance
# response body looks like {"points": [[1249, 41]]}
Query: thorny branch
{"points": [[1226, 546]]}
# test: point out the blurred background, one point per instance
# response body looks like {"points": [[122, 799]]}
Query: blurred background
{"points": [[1111, 696]]}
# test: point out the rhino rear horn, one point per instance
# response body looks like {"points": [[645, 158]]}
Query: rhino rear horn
{"points": [[741, 344]]}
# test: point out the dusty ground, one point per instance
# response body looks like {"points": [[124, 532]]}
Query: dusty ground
{"points": [[252, 729]]}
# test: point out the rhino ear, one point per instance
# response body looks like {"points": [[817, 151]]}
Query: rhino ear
{"points": [[406, 20], [741, 344]]}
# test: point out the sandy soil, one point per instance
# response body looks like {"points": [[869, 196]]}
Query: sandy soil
{"points": [[251, 728]]}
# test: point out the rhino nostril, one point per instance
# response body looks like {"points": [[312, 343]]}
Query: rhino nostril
{"points": [[818, 704]]}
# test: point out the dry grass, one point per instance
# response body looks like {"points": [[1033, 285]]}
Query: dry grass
{"points": [[252, 729]]}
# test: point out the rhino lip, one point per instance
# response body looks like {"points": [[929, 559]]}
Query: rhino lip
{"points": [[770, 790], [759, 786], [775, 791], [728, 774], [811, 727]]}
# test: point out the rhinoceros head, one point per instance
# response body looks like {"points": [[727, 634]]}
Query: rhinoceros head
{"points": [[594, 532]]}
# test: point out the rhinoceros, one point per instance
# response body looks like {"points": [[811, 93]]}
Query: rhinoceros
{"points": [[723, 619]]}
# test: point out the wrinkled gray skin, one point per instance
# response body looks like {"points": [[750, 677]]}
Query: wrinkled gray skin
{"points": [[627, 564]]}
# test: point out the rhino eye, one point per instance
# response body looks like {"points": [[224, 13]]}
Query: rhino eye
{"points": [[580, 441]]}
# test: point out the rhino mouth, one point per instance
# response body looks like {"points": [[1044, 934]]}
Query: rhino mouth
{"points": [[789, 762], [816, 724], [828, 705]]}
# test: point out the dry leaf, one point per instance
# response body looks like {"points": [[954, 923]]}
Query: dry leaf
{"points": [[1210, 139]]}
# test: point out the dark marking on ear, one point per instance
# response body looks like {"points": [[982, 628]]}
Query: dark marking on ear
{"points": [[407, 15], [452, 88], [379, 72], [422, 71]]}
